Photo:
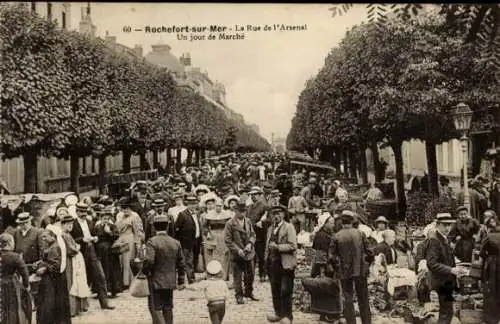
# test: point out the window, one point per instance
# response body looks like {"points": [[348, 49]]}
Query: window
{"points": [[49, 10], [63, 21], [33, 7]]}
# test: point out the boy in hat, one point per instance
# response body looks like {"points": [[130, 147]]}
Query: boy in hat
{"points": [[216, 292], [158, 206], [297, 206], [165, 268]]}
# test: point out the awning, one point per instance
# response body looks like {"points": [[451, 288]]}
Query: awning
{"points": [[314, 165]]}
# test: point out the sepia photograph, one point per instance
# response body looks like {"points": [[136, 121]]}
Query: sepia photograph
{"points": [[237, 163]]}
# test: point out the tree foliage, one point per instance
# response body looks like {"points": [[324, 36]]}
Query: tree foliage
{"points": [[63, 93]]}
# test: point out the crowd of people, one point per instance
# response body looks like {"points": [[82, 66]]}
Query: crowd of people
{"points": [[240, 218]]}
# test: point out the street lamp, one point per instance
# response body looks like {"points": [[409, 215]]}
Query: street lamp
{"points": [[462, 117]]}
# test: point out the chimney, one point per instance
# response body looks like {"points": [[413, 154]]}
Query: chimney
{"points": [[138, 50]]}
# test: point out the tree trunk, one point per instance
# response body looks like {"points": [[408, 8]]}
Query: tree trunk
{"points": [[155, 159], [102, 173], [178, 157], [169, 159], [198, 157], [189, 159], [352, 164], [84, 165], [126, 155], [363, 166], [30, 160], [142, 161], [203, 154], [376, 162], [74, 173], [400, 185], [310, 151], [432, 169], [92, 161], [337, 159]]}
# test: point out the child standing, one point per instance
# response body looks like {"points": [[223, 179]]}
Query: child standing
{"points": [[216, 292]]}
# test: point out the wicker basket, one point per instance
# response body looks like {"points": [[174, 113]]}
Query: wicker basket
{"points": [[469, 316]]}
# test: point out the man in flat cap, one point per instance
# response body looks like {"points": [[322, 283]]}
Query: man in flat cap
{"points": [[165, 268], [281, 259], [239, 237], [349, 252], [83, 233], [257, 214], [188, 231], [441, 264]]}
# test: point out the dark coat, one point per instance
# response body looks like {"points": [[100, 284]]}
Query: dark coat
{"points": [[440, 260], [164, 260], [490, 253], [465, 229], [237, 237], [386, 250], [287, 245], [30, 246], [349, 253], [254, 213], [185, 229]]}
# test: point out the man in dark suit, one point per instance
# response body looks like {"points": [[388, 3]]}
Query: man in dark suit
{"points": [[164, 260], [84, 233], [387, 247], [28, 240], [281, 258], [239, 237], [257, 215], [349, 253], [441, 264], [188, 233]]}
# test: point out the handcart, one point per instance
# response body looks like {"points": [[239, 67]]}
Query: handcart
{"points": [[326, 297]]}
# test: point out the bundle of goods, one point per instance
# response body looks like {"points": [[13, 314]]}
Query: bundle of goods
{"points": [[301, 298], [326, 297]]}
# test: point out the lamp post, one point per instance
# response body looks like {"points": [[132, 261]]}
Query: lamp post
{"points": [[462, 117]]}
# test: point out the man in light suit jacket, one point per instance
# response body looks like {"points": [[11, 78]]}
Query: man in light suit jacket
{"points": [[239, 237], [164, 265], [281, 259]]}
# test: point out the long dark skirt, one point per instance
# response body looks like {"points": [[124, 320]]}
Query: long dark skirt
{"points": [[16, 302], [53, 300], [464, 249]]}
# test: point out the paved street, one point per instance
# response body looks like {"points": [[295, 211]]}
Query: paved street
{"points": [[190, 308]]}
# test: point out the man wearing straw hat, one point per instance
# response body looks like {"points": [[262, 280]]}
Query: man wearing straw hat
{"points": [[165, 267], [441, 263], [28, 239]]}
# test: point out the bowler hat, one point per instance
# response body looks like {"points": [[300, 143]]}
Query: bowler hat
{"points": [[81, 207], [159, 202], [23, 218], [161, 219], [190, 199], [124, 202], [278, 208], [347, 214]]}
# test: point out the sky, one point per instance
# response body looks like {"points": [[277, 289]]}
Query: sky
{"points": [[264, 73]]}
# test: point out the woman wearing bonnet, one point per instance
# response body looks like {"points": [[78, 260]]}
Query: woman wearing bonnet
{"points": [[321, 241], [16, 303], [53, 305]]}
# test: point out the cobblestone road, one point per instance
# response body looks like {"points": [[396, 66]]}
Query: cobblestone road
{"points": [[190, 308]]}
